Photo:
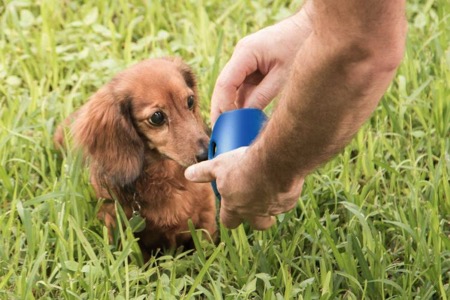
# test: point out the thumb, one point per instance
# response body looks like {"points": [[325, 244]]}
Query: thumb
{"points": [[201, 172]]}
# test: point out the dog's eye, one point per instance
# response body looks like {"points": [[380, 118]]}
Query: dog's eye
{"points": [[157, 119], [191, 102]]}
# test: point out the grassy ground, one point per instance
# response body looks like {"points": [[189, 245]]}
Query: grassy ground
{"points": [[373, 223]]}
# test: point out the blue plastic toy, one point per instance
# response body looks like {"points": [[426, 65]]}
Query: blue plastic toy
{"points": [[235, 129]]}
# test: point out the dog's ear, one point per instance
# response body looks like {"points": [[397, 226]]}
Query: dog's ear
{"points": [[186, 72], [188, 75], [106, 132]]}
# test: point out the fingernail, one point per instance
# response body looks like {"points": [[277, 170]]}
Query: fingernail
{"points": [[189, 173]]}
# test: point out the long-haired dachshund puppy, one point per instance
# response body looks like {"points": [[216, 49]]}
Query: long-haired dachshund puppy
{"points": [[138, 133]]}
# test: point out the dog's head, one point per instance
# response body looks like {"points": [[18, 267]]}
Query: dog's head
{"points": [[149, 111]]}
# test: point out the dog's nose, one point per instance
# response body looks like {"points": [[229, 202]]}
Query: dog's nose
{"points": [[202, 155]]}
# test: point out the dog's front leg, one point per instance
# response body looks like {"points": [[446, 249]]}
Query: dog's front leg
{"points": [[107, 214]]}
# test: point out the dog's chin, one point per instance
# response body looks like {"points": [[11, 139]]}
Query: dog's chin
{"points": [[181, 162], [186, 164]]}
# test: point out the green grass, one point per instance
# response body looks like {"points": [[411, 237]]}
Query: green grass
{"points": [[373, 223]]}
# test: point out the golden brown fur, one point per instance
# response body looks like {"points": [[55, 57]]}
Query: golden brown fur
{"points": [[134, 158]]}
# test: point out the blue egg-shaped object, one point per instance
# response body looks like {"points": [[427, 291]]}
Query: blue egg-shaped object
{"points": [[235, 129]]}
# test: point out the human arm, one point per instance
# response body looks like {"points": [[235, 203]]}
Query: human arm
{"points": [[338, 77]]}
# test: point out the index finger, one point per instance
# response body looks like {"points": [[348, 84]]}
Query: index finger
{"points": [[228, 218], [241, 64]]}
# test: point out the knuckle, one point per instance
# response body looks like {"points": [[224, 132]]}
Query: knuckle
{"points": [[243, 44], [284, 204], [219, 185], [229, 218], [262, 223], [217, 164], [275, 211], [261, 98], [222, 188], [291, 205], [221, 83]]}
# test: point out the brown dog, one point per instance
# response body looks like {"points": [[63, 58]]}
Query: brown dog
{"points": [[139, 132]]}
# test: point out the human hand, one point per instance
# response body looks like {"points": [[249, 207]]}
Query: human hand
{"points": [[248, 194], [259, 66]]}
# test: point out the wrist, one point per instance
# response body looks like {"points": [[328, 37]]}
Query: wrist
{"points": [[274, 176]]}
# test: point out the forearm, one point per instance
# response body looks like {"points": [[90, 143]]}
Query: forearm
{"points": [[338, 78]]}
